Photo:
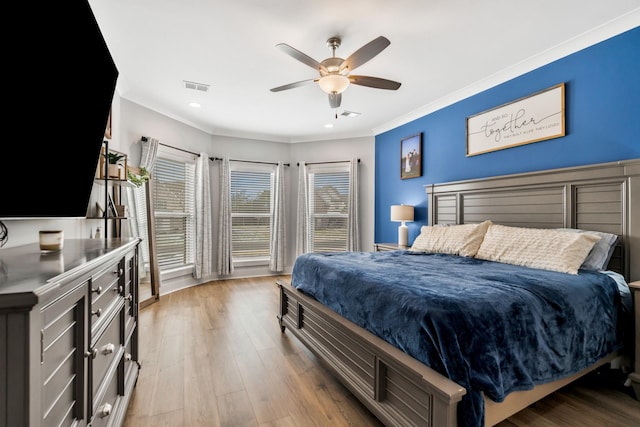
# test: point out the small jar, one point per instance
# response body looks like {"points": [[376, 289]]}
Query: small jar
{"points": [[51, 240]]}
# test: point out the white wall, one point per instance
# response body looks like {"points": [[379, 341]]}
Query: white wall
{"points": [[344, 149], [136, 120], [132, 121]]}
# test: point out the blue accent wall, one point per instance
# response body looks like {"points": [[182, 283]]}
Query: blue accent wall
{"points": [[602, 124]]}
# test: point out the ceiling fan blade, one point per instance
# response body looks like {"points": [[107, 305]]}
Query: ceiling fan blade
{"points": [[375, 82], [302, 57], [335, 99], [293, 85], [365, 53]]}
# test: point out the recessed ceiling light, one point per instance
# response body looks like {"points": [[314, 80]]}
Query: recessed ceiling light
{"points": [[350, 113], [194, 105], [328, 125]]}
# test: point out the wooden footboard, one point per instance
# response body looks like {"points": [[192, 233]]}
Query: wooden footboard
{"points": [[398, 389]]}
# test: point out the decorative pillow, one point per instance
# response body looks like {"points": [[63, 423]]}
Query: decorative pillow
{"points": [[546, 249], [463, 240], [600, 255]]}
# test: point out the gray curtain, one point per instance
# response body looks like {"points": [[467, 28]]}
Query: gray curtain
{"points": [[204, 246], [353, 231], [302, 226], [136, 201], [149, 153], [278, 220], [225, 261]]}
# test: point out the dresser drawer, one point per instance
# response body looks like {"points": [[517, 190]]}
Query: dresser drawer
{"points": [[104, 409], [106, 291], [129, 359], [130, 295], [107, 350], [105, 279]]}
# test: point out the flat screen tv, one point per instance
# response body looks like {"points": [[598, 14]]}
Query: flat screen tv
{"points": [[59, 86]]}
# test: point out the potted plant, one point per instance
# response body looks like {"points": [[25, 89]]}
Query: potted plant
{"points": [[113, 164], [139, 178]]}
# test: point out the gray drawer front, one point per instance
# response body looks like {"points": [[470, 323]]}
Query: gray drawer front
{"points": [[105, 280], [105, 410], [106, 290], [106, 349], [129, 362], [130, 296]]}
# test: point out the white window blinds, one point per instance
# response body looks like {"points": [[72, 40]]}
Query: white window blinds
{"points": [[174, 186], [251, 210], [328, 208]]}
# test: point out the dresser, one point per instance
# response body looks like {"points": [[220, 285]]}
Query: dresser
{"points": [[68, 333]]}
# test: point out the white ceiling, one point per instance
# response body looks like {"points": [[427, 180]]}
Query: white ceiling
{"points": [[441, 51]]}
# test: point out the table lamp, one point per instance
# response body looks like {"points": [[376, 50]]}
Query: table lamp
{"points": [[402, 214]]}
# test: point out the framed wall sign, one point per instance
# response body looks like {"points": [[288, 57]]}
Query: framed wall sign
{"points": [[411, 156], [534, 118]]}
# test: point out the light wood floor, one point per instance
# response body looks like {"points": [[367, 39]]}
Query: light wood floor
{"points": [[213, 355]]}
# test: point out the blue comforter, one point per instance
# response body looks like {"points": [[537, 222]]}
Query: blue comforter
{"points": [[490, 327]]}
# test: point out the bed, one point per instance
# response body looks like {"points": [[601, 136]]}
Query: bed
{"points": [[446, 373]]}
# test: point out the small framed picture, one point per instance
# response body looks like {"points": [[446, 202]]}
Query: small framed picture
{"points": [[411, 156]]}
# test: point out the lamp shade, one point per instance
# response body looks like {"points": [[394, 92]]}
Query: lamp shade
{"points": [[333, 83], [400, 213]]}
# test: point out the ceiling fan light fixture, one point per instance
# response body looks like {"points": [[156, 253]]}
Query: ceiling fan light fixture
{"points": [[333, 83]]}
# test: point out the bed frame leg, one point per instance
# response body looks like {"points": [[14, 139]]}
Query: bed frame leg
{"points": [[283, 307], [282, 327], [634, 379]]}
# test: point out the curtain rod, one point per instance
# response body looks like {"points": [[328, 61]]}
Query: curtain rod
{"points": [[144, 138], [322, 163], [249, 161]]}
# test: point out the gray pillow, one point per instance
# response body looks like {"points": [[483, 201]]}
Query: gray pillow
{"points": [[599, 257]]}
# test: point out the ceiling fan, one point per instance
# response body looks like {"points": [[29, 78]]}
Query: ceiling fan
{"points": [[334, 72]]}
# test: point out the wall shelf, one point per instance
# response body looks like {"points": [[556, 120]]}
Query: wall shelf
{"points": [[111, 209]]}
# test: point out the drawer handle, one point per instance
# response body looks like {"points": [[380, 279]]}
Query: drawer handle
{"points": [[91, 353], [108, 348], [97, 313], [118, 289], [98, 290], [128, 357], [128, 298], [105, 410]]}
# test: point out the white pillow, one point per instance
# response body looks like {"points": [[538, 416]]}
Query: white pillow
{"points": [[600, 255], [546, 249], [463, 240]]}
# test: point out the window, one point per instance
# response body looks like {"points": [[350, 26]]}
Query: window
{"points": [[251, 211], [328, 207], [174, 204]]}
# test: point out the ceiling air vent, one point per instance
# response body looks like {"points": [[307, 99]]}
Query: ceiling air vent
{"points": [[350, 113], [196, 86]]}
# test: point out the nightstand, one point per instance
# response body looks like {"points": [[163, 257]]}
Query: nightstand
{"points": [[382, 247], [634, 377]]}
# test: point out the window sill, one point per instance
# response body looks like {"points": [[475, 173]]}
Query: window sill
{"points": [[173, 273], [251, 262]]}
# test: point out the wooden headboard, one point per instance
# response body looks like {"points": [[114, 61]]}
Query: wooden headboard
{"points": [[602, 197]]}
